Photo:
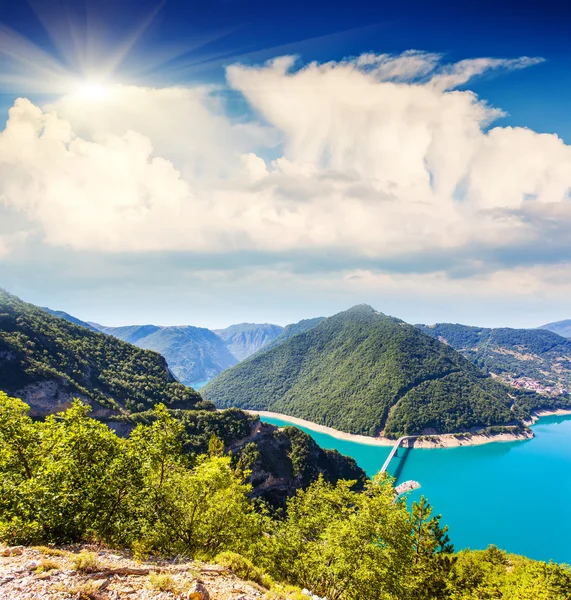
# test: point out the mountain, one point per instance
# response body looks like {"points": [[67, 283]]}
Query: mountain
{"points": [[562, 328], [293, 329], [364, 372], [245, 339], [194, 354], [70, 318], [534, 359], [47, 361]]}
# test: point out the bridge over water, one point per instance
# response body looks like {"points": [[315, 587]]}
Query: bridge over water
{"points": [[393, 452], [406, 486]]}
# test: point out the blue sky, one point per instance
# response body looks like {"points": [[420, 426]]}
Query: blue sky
{"points": [[273, 191]]}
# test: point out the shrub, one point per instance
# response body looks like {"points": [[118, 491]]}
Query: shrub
{"points": [[86, 562], [163, 582], [244, 568]]}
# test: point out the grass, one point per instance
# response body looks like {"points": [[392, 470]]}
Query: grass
{"points": [[163, 582], [244, 568], [50, 551], [86, 562], [46, 565]]}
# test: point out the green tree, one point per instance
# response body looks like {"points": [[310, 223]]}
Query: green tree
{"points": [[343, 544], [433, 558]]}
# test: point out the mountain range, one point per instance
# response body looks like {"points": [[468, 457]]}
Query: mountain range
{"points": [[48, 361], [364, 372], [194, 354], [562, 328], [245, 339], [534, 359]]}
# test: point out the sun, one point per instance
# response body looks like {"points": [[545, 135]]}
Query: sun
{"points": [[93, 90]]}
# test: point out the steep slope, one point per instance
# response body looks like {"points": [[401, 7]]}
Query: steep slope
{"points": [[194, 354], [364, 372], [246, 338], [46, 361], [534, 359], [70, 318], [293, 329], [562, 328]]}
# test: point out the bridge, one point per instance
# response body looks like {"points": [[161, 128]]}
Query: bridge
{"points": [[395, 449]]}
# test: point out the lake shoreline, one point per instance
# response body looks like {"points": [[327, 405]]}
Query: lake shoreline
{"points": [[444, 440]]}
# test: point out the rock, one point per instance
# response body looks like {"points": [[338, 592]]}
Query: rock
{"points": [[197, 592], [13, 551]]}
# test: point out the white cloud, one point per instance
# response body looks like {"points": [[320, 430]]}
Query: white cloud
{"points": [[382, 158]]}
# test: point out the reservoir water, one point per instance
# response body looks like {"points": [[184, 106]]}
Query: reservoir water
{"points": [[516, 495]]}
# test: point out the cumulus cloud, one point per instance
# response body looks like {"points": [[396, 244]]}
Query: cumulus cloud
{"points": [[378, 157]]}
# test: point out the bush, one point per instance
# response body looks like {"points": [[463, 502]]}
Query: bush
{"points": [[244, 568], [86, 562]]}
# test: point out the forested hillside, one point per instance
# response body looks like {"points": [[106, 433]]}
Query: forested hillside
{"points": [[293, 329], [63, 315], [363, 372], [524, 358], [194, 354], [246, 338], [47, 361], [70, 479]]}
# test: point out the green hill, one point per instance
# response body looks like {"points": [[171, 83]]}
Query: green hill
{"points": [[364, 372], [63, 315], [291, 330], [46, 361], [527, 358]]}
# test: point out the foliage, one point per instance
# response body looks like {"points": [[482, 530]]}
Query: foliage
{"points": [[37, 347], [164, 582], [71, 479], [244, 568], [346, 544], [492, 574], [511, 354], [362, 372], [86, 562]]}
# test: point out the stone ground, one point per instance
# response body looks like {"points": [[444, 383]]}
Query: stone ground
{"points": [[91, 573]]}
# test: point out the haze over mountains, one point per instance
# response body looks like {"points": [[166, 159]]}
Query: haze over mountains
{"points": [[194, 354], [562, 328], [246, 338]]}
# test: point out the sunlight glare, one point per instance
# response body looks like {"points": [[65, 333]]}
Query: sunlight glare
{"points": [[93, 90]]}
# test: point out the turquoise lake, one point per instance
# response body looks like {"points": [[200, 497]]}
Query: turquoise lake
{"points": [[516, 495]]}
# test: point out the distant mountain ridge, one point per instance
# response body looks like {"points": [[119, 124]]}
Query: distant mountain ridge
{"points": [[244, 339], [535, 359], [364, 372], [562, 328], [194, 354]]}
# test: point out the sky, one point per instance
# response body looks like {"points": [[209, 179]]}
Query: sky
{"points": [[221, 161]]}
